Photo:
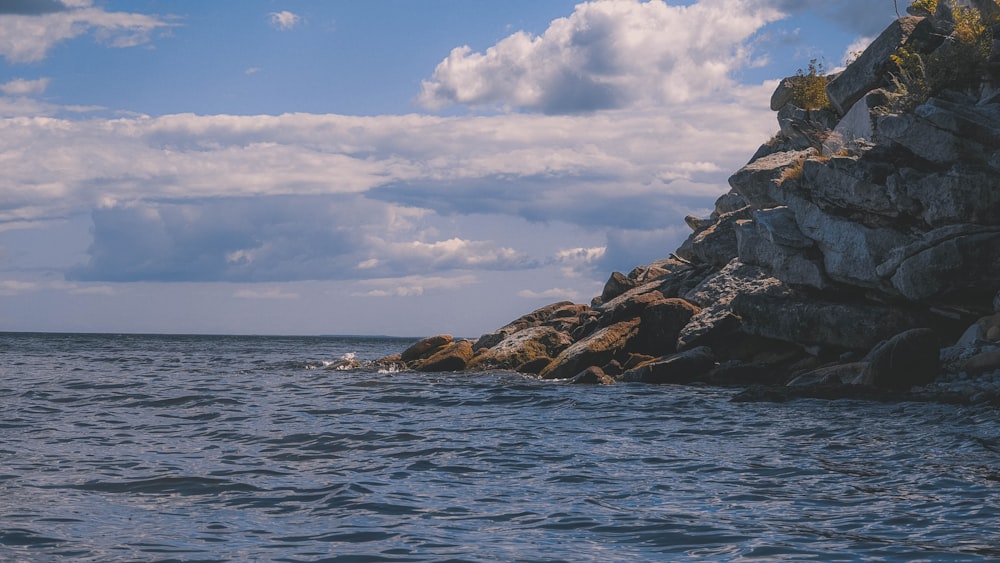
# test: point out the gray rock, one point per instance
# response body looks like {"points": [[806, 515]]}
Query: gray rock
{"points": [[961, 194], [809, 322], [945, 132], [715, 294], [996, 302], [870, 70], [534, 318], [728, 203], [792, 265], [778, 226], [782, 94], [848, 185], [946, 260], [858, 124], [851, 251], [758, 182], [716, 245], [679, 369]]}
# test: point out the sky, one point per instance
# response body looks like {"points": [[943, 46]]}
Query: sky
{"points": [[391, 167]]}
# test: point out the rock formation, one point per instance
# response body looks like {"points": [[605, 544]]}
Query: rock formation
{"points": [[852, 250]]}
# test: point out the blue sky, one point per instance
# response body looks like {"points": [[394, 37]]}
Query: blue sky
{"points": [[400, 167]]}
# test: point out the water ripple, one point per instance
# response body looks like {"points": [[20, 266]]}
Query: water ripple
{"points": [[230, 448]]}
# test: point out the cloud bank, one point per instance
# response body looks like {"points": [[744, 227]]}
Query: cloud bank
{"points": [[625, 116], [28, 30]]}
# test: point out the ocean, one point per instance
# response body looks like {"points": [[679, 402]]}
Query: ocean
{"points": [[246, 448]]}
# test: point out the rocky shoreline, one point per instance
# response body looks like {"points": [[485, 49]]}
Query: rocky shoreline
{"points": [[856, 255]]}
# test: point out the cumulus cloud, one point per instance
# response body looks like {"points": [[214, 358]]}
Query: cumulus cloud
{"points": [[298, 196], [22, 87], [285, 238], [284, 20], [26, 36], [607, 54]]}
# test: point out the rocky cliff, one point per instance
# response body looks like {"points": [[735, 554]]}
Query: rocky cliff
{"points": [[858, 249]]}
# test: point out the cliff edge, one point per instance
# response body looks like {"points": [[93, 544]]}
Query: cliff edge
{"points": [[858, 249]]}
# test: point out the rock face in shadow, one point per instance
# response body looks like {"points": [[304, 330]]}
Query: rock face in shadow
{"points": [[850, 249]]}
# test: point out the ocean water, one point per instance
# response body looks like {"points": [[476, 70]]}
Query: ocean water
{"points": [[195, 448]]}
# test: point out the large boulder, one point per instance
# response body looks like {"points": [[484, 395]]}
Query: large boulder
{"points": [[521, 348], [680, 369], [716, 245], [857, 127], [944, 132], [716, 320], [773, 241], [425, 348], [849, 185], [851, 251], [452, 357], [793, 266], [948, 260], [822, 323], [906, 360], [760, 181], [661, 322], [595, 350], [871, 69], [960, 194]]}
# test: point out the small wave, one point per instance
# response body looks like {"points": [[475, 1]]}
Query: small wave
{"points": [[346, 362]]}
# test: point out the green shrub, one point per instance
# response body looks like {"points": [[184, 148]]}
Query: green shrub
{"points": [[927, 6], [958, 64], [809, 88]]}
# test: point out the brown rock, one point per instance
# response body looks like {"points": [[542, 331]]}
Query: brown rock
{"points": [[425, 348], [452, 357], [662, 321], [522, 347], [617, 284], [595, 350]]}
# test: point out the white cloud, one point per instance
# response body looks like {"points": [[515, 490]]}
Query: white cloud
{"points": [[28, 38], [855, 49], [284, 20], [413, 286], [251, 71], [607, 54], [22, 87]]}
